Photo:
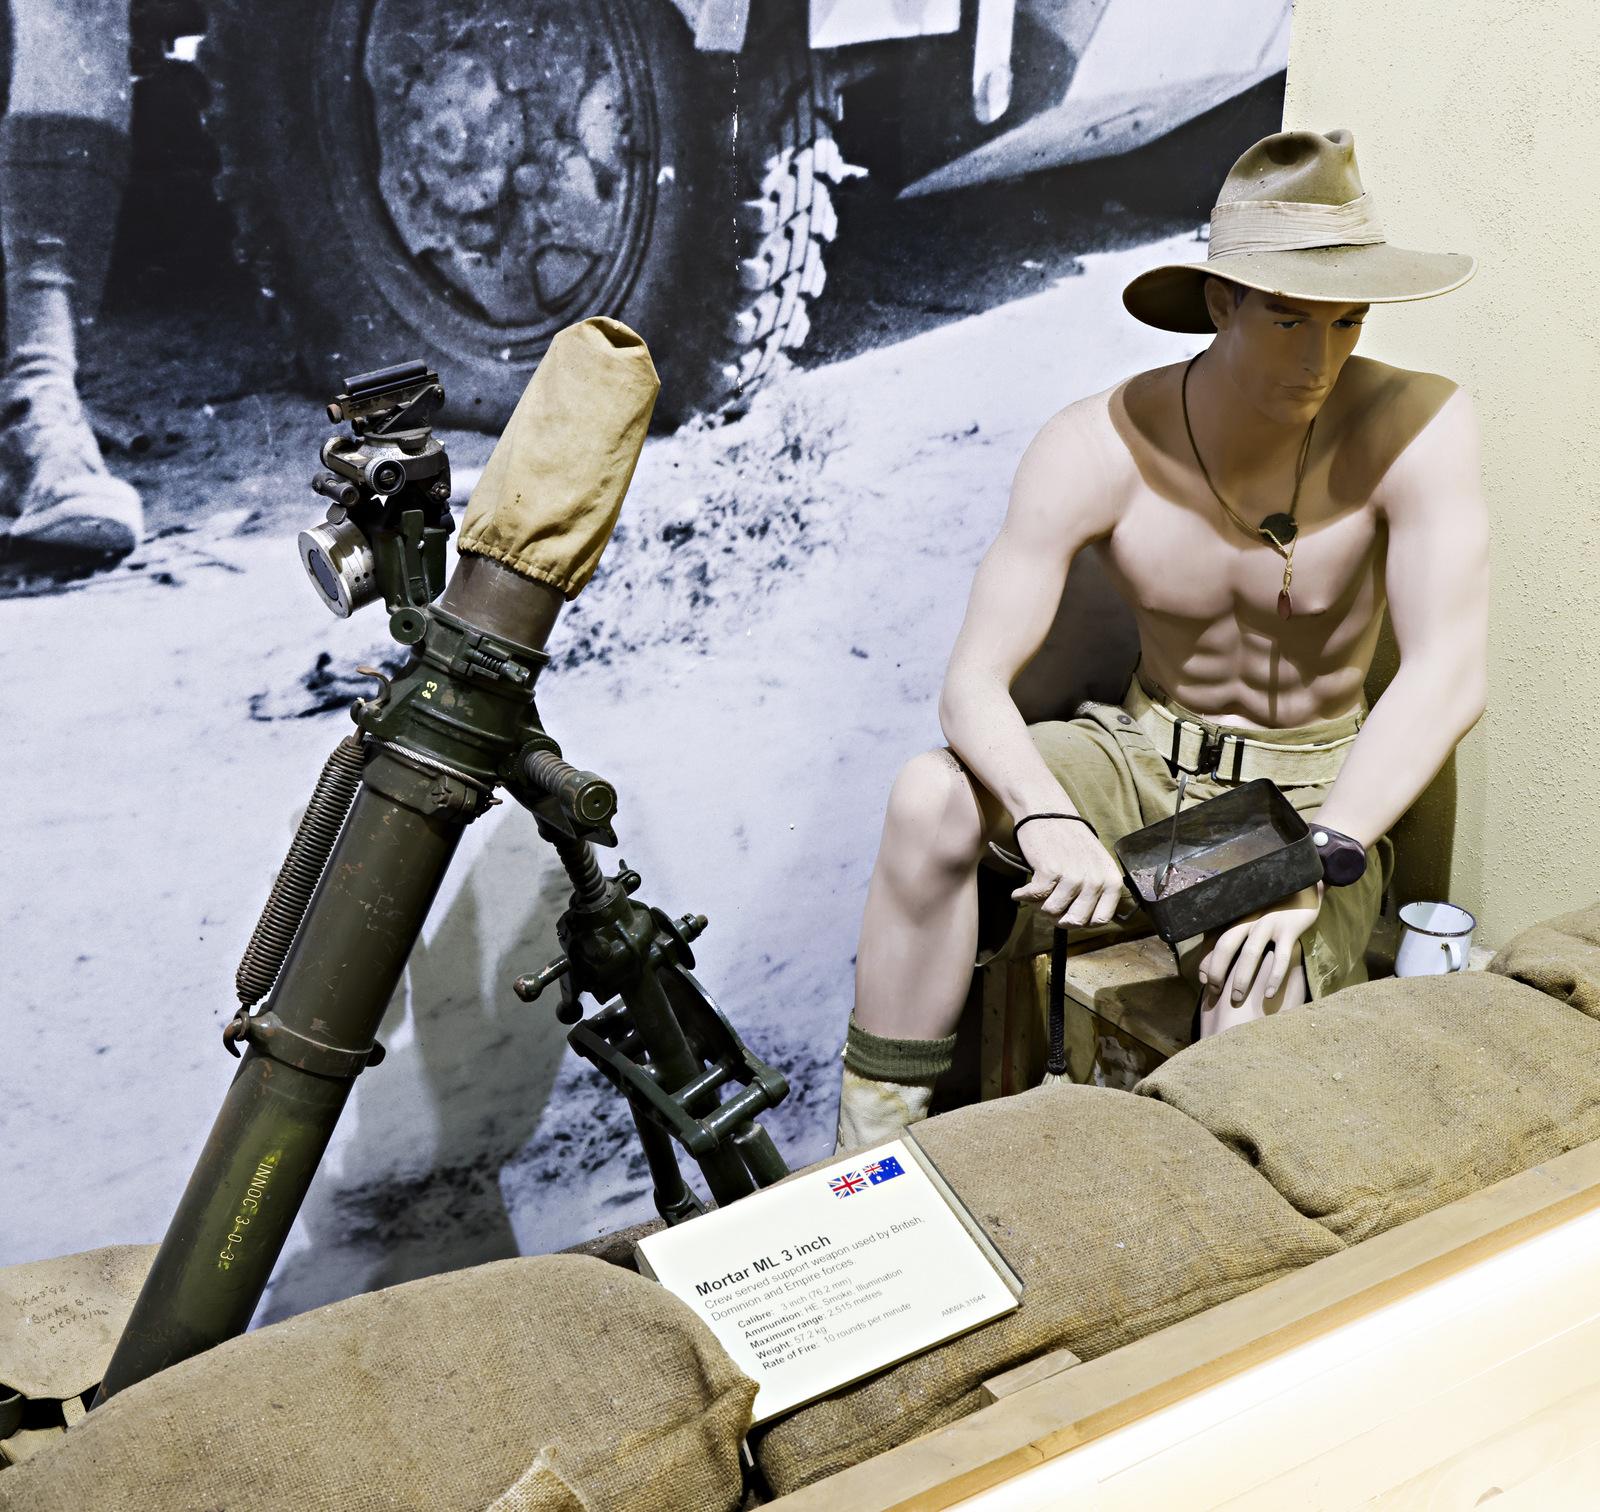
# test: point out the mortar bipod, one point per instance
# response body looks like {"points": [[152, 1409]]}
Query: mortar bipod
{"points": [[661, 1041], [711, 1130]]}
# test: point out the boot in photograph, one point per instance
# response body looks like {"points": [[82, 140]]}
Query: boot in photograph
{"points": [[65, 505], [61, 182]]}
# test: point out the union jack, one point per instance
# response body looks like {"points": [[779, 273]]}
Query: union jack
{"points": [[850, 1182]]}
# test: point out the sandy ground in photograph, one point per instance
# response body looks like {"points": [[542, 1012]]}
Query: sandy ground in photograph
{"points": [[761, 651]]}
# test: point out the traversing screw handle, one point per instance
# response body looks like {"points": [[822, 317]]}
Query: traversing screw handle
{"points": [[529, 987]]}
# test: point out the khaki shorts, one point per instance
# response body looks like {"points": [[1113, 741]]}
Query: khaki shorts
{"points": [[1119, 781]]}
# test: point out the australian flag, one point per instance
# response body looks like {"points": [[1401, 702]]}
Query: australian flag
{"points": [[887, 1169]]}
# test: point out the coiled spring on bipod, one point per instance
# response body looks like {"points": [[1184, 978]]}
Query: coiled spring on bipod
{"points": [[302, 870]]}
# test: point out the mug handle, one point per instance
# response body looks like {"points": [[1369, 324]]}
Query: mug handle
{"points": [[1449, 948]]}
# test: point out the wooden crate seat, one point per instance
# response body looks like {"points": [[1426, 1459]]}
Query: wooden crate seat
{"points": [[1127, 1010]]}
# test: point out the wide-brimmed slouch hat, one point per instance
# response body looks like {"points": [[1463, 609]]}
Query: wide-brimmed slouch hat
{"points": [[1292, 219]]}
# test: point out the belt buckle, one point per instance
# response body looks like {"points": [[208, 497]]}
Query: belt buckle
{"points": [[1223, 737], [1207, 748], [1213, 747]]}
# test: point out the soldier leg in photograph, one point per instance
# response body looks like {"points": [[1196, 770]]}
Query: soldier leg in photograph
{"points": [[63, 163]]}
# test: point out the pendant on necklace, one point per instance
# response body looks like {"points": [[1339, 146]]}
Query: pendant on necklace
{"points": [[1278, 530], [1285, 604]]}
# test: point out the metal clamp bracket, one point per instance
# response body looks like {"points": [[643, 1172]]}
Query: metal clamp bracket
{"points": [[271, 1036]]}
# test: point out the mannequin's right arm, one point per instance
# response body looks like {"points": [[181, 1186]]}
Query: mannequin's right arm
{"points": [[1063, 497]]}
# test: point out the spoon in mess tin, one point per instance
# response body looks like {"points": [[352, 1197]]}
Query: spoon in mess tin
{"points": [[1172, 845]]}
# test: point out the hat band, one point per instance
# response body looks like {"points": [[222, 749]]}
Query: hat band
{"points": [[1291, 226]]}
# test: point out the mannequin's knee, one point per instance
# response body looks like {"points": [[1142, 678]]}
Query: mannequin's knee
{"points": [[933, 819], [1220, 1011]]}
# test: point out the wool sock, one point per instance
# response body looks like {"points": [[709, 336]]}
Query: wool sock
{"points": [[897, 1060], [887, 1084], [61, 182]]}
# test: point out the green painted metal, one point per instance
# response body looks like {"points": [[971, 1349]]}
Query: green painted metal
{"points": [[281, 1108], [456, 723]]}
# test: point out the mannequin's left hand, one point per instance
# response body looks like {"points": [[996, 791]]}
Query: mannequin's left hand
{"points": [[1229, 969]]}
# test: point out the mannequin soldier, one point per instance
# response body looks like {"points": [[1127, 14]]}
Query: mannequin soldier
{"points": [[63, 161], [1254, 507]]}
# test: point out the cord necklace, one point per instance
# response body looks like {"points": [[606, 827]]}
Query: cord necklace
{"points": [[1278, 530]]}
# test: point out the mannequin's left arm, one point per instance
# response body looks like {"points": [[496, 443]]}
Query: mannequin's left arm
{"points": [[1437, 580]]}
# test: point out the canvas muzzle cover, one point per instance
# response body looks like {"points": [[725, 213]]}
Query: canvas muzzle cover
{"points": [[553, 486]]}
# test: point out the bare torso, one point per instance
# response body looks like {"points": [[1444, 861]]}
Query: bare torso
{"points": [[1205, 597]]}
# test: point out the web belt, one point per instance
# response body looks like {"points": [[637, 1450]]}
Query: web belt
{"points": [[1213, 751]]}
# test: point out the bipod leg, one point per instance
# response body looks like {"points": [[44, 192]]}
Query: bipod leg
{"points": [[716, 1043], [675, 1065], [663, 1042], [760, 1155], [675, 1201]]}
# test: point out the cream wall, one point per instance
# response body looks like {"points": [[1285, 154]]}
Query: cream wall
{"points": [[1477, 126]]}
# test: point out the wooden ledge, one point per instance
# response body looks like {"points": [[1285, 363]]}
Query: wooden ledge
{"points": [[1011, 1381], [1047, 1417], [1136, 997]]}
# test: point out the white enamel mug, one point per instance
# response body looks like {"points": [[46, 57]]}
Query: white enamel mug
{"points": [[1437, 938]]}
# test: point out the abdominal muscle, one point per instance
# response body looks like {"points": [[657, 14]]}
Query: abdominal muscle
{"points": [[1205, 604]]}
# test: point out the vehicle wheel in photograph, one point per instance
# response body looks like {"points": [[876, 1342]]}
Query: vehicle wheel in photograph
{"points": [[457, 180]]}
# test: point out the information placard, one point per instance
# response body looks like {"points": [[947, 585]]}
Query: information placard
{"points": [[835, 1274]]}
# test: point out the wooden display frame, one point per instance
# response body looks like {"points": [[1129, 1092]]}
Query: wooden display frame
{"points": [[1042, 1413]]}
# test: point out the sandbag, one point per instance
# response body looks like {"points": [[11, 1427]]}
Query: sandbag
{"points": [[1120, 1216], [552, 1384], [1560, 957], [1393, 1098], [60, 1319]]}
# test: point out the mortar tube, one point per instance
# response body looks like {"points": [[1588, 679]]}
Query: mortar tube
{"points": [[493, 598], [277, 1118]]}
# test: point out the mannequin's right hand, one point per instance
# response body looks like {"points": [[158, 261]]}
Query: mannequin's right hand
{"points": [[1076, 880]]}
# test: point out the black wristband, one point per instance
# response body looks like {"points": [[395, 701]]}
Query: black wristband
{"points": [[1028, 818], [1344, 858]]}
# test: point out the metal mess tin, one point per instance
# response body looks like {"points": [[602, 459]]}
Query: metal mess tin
{"points": [[1252, 842]]}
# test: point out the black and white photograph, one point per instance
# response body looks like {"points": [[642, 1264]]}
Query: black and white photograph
{"points": [[869, 262]]}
